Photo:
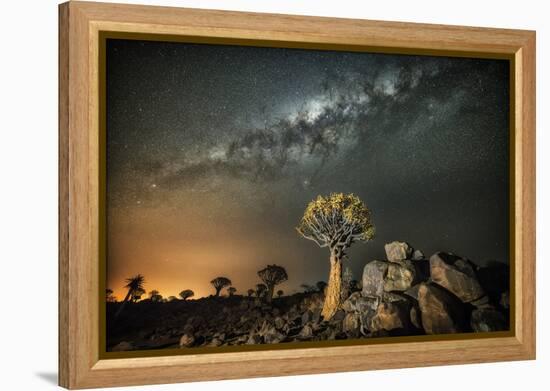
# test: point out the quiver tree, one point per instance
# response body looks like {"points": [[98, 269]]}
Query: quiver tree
{"points": [[219, 283], [231, 290], [336, 222], [136, 295], [280, 293], [133, 284], [272, 275], [187, 293], [261, 290], [155, 296], [109, 297]]}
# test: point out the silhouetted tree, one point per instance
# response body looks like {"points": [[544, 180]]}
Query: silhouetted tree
{"points": [[172, 298], [219, 283], [272, 275], [250, 292], [308, 288], [336, 222], [231, 290], [132, 284], [109, 296], [261, 289], [321, 285], [155, 296], [186, 294], [280, 293], [136, 296]]}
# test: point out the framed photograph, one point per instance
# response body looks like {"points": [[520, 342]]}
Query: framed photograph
{"points": [[247, 195]]}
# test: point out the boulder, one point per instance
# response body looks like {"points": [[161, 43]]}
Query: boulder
{"points": [[417, 255], [306, 332], [413, 291], [358, 303], [456, 275], [398, 251], [351, 323], [440, 312], [399, 276], [487, 319], [389, 316], [416, 319], [187, 340], [123, 347], [373, 278], [482, 302]]}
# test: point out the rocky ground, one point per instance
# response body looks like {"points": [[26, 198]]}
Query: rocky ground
{"points": [[406, 294]]}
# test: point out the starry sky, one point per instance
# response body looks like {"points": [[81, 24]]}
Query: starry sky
{"points": [[213, 153]]}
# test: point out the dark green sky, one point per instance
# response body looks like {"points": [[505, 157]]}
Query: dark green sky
{"points": [[215, 151]]}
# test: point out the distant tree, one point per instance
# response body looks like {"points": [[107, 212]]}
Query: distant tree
{"points": [[261, 290], [132, 284], [155, 296], [308, 288], [321, 285], [231, 290], [219, 283], [272, 275], [336, 222], [136, 296], [172, 298], [250, 292], [186, 294], [109, 297], [280, 293]]}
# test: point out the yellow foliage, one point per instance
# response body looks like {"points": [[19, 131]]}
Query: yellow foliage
{"points": [[326, 215]]}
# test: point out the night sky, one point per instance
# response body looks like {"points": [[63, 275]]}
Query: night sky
{"points": [[213, 153]]}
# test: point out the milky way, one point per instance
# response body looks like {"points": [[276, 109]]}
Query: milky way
{"points": [[213, 152]]}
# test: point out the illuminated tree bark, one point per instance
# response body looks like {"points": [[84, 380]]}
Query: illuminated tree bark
{"points": [[336, 222]]}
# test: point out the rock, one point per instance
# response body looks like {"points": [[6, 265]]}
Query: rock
{"points": [[373, 278], [358, 303], [482, 302], [254, 339], [307, 316], [456, 275], [351, 323], [313, 301], [274, 336], [306, 332], [487, 319], [279, 322], [399, 276], [413, 291], [440, 312], [389, 316], [398, 251], [338, 316], [123, 347], [417, 255], [187, 340], [215, 342], [416, 319]]}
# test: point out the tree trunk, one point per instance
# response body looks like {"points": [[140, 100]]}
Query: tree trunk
{"points": [[218, 291], [334, 288], [270, 289], [123, 303]]}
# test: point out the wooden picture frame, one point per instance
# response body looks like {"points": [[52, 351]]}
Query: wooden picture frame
{"points": [[81, 24]]}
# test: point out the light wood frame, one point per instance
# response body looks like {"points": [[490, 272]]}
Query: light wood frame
{"points": [[80, 365]]}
